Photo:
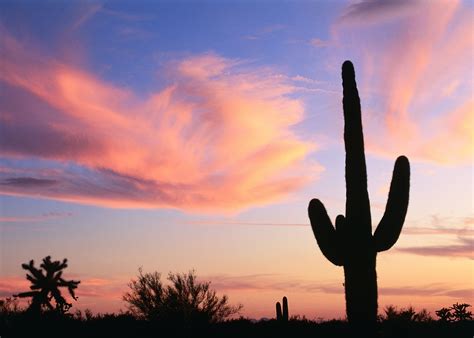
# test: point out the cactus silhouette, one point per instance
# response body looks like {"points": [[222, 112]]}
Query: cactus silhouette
{"points": [[282, 315], [279, 315], [45, 286], [351, 243]]}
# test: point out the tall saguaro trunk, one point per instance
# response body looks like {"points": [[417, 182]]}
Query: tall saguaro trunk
{"points": [[351, 243], [360, 281]]}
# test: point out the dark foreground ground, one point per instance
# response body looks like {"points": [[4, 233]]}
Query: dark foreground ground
{"points": [[127, 326]]}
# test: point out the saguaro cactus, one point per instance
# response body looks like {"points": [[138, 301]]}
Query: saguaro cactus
{"points": [[282, 315], [279, 315], [351, 243]]}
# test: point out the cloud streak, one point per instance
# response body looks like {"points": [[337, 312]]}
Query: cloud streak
{"points": [[218, 137], [463, 249], [437, 225], [26, 182], [259, 282], [367, 12], [34, 219], [99, 294], [422, 103]]}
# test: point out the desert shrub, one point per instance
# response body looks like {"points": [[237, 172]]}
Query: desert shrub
{"points": [[456, 313], [183, 300]]}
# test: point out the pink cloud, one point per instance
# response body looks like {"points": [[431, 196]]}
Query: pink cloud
{"points": [[366, 12], [414, 64], [260, 282], [97, 289], [318, 43], [219, 137], [409, 230], [10, 285], [462, 249], [453, 142], [438, 231]]}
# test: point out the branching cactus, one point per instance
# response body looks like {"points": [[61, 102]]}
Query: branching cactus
{"points": [[350, 243], [282, 315], [45, 285]]}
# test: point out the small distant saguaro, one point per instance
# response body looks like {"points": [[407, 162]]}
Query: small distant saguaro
{"points": [[350, 243], [282, 315]]}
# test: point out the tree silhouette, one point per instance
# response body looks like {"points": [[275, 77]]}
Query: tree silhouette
{"points": [[45, 285], [351, 243]]}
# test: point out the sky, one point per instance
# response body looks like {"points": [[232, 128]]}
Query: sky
{"points": [[179, 135]]}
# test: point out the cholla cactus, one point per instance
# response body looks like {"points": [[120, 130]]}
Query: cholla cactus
{"points": [[45, 285], [350, 243]]}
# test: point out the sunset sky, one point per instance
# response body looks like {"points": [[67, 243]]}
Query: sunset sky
{"points": [[178, 135]]}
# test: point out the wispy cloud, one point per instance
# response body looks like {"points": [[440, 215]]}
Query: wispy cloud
{"points": [[134, 33], [10, 285], [26, 182], [259, 282], [218, 138], [124, 16], [434, 225], [37, 218], [464, 248], [102, 288], [420, 52], [316, 42], [366, 12], [459, 229], [456, 227], [437, 231], [441, 225], [86, 12], [437, 220], [244, 223], [430, 290], [264, 32]]}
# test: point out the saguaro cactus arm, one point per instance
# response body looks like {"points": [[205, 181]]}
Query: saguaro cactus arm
{"points": [[390, 226], [324, 232]]}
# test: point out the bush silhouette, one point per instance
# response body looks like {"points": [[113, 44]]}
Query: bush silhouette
{"points": [[456, 313], [183, 301], [9, 306], [351, 243], [401, 323], [45, 285], [460, 312], [392, 314], [444, 314]]}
